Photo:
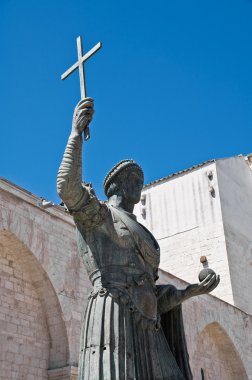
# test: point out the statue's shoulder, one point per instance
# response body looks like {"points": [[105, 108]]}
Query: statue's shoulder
{"points": [[93, 212]]}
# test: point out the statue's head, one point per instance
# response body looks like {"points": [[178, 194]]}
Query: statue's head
{"points": [[126, 179]]}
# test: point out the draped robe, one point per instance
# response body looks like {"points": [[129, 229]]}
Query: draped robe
{"points": [[122, 338]]}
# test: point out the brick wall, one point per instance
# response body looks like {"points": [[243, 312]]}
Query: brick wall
{"points": [[46, 245], [219, 336], [44, 284], [24, 337]]}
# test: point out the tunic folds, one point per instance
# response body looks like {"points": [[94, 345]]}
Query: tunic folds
{"points": [[115, 347]]}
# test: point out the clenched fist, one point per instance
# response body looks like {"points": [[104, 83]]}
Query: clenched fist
{"points": [[82, 117]]}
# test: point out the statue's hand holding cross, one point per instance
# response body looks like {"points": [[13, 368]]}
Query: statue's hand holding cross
{"points": [[82, 117], [84, 110]]}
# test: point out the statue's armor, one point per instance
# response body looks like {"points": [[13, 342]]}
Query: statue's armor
{"points": [[113, 258]]}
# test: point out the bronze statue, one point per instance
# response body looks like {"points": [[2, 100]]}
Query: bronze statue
{"points": [[122, 337]]}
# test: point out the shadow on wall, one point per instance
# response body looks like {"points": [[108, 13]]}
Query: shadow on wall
{"points": [[216, 356], [33, 334]]}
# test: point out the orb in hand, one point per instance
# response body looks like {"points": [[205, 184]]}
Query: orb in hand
{"points": [[205, 272]]}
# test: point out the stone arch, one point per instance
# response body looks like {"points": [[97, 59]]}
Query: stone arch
{"points": [[30, 313], [216, 357]]}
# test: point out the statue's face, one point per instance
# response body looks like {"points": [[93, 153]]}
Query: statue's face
{"points": [[132, 186]]}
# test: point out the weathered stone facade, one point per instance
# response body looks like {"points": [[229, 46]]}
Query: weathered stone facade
{"points": [[219, 336], [44, 286], [205, 211], [44, 289]]}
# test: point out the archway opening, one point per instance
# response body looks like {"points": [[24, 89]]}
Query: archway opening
{"points": [[32, 333], [216, 356]]}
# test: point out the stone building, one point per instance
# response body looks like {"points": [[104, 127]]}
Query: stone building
{"points": [[202, 211]]}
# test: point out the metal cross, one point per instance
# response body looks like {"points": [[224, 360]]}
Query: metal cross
{"points": [[80, 64]]}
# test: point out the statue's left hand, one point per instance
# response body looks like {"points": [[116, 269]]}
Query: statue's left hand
{"points": [[203, 287]]}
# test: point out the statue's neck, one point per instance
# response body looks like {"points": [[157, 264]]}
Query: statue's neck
{"points": [[121, 202]]}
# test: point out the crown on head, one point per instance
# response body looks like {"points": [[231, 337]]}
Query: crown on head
{"points": [[118, 168]]}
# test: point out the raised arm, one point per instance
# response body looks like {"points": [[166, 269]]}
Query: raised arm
{"points": [[69, 179]]}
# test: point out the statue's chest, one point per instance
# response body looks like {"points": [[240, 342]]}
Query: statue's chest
{"points": [[113, 244], [122, 235]]}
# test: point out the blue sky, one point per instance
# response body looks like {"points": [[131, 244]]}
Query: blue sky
{"points": [[172, 85]]}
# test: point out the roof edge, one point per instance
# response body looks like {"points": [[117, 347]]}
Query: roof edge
{"points": [[176, 174], [35, 200]]}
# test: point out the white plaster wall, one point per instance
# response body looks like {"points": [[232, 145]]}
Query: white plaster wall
{"points": [[187, 222], [235, 183]]}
